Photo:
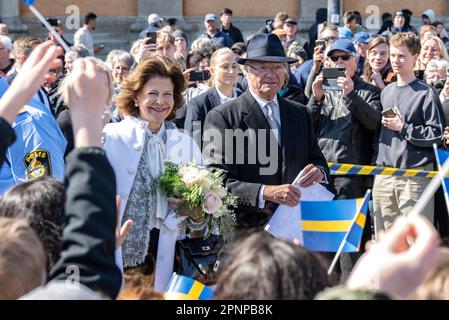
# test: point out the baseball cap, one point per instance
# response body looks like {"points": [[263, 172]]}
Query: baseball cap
{"points": [[344, 33], [209, 17], [153, 18], [344, 45], [362, 37]]}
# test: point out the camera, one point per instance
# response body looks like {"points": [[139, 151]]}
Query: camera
{"points": [[331, 76], [199, 75]]}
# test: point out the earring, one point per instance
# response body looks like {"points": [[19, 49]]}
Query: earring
{"points": [[136, 105]]}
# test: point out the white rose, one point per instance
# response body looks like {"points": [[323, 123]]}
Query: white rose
{"points": [[212, 202], [221, 191], [191, 176]]}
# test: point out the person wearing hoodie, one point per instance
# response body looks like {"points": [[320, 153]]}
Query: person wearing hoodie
{"points": [[428, 17], [399, 25], [408, 14]]}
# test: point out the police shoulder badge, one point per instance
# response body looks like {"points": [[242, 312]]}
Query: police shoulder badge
{"points": [[37, 164]]}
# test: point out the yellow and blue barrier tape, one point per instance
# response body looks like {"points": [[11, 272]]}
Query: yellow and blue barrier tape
{"points": [[353, 169]]}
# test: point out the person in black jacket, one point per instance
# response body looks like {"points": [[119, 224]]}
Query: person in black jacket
{"points": [[224, 72], [346, 122], [228, 27], [280, 127]]}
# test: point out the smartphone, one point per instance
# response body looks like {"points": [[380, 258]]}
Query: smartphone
{"points": [[199, 75], [331, 76], [389, 113], [320, 43], [150, 37]]}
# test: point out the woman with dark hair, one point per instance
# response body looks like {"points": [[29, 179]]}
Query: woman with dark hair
{"points": [[41, 202], [377, 69], [137, 148], [265, 268]]}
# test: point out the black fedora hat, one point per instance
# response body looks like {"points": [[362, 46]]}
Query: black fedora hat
{"points": [[267, 48]]}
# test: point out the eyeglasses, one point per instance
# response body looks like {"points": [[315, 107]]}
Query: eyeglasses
{"points": [[327, 39], [265, 69], [345, 57]]}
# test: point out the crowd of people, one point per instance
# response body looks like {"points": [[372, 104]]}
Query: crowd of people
{"points": [[82, 142]]}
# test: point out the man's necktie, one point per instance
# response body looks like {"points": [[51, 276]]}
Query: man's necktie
{"points": [[274, 124]]}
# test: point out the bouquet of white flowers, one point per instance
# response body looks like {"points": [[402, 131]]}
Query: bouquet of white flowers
{"points": [[202, 191]]}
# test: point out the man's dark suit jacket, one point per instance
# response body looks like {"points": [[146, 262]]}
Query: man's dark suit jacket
{"points": [[299, 147], [198, 108]]}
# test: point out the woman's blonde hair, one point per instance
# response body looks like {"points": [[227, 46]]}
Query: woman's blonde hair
{"points": [[214, 60], [64, 87], [154, 66], [443, 52]]}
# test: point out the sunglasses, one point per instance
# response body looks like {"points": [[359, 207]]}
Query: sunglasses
{"points": [[346, 57]]}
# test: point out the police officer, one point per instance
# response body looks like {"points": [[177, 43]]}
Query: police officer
{"points": [[38, 150]]}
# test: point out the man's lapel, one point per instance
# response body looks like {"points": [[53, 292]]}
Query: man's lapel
{"points": [[289, 137], [252, 113]]}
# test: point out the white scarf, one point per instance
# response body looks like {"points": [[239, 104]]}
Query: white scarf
{"points": [[155, 162]]}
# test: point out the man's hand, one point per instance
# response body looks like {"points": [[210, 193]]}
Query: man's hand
{"points": [[395, 124], [318, 57], [346, 84], [317, 87], [395, 266], [283, 194], [312, 175]]}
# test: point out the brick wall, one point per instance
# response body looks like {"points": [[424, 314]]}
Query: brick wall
{"points": [[100, 7]]}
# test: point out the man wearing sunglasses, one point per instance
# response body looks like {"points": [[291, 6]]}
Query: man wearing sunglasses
{"points": [[345, 123]]}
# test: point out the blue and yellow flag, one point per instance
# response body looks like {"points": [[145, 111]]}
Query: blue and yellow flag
{"points": [[326, 223], [185, 288], [29, 2], [441, 157]]}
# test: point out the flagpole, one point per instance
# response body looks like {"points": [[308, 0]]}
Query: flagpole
{"points": [[430, 190], [50, 28], [342, 245]]}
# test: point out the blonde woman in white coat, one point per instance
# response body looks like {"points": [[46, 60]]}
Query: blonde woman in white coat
{"points": [[137, 148]]}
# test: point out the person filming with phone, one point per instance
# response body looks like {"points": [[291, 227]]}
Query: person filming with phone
{"points": [[346, 117]]}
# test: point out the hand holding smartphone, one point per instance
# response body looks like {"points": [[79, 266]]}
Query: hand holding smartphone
{"points": [[389, 113]]}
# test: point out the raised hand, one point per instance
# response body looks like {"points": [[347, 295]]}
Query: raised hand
{"points": [[29, 79], [89, 89]]}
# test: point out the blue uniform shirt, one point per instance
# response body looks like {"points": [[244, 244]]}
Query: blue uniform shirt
{"points": [[38, 150]]}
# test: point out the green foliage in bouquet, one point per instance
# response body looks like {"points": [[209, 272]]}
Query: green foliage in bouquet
{"points": [[200, 189]]}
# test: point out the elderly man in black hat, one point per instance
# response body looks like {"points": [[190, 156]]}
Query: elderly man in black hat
{"points": [[262, 141]]}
